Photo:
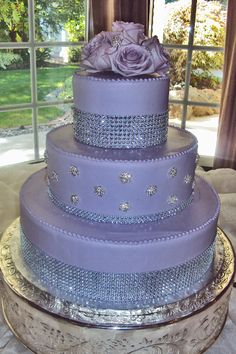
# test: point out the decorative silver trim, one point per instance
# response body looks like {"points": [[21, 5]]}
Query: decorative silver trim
{"points": [[32, 292], [117, 132]]}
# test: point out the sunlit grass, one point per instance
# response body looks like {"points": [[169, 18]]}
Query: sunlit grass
{"points": [[24, 117], [16, 88]]}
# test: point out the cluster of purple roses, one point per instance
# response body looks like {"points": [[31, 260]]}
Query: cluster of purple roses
{"points": [[125, 51]]}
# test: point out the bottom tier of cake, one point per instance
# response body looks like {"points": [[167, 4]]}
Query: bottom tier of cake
{"points": [[47, 324], [118, 266]]}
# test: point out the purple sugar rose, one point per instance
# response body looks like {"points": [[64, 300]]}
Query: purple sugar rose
{"points": [[132, 60], [159, 57], [96, 54], [131, 32], [125, 51]]}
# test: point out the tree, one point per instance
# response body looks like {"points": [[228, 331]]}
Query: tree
{"points": [[13, 20], [209, 31], [50, 18]]}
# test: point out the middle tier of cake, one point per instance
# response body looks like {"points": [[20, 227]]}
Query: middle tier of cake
{"points": [[120, 185]]}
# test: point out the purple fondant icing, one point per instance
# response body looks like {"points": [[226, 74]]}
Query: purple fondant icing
{"points": [[111, 94], [118, 248], [168, 172]]}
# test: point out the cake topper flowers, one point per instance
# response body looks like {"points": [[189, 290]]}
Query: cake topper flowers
{"points": [[125, 51]]}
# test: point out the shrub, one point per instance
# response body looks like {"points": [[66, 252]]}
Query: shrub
{"points": [[9, 58], [209, 31]]}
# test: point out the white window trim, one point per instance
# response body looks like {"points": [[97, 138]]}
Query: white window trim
{"points": [[190, 47], [32, 45]]}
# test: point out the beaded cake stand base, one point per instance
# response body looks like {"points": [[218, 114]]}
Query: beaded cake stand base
{"points": [[51, 325]]}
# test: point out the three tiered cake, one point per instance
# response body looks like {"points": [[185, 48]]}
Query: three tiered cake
{"points": [[123, 213], [118, 223]]}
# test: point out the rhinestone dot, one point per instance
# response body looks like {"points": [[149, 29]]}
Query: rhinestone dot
{"points": [[116, 41], [74, 171], [172, 199], [54, 176], [99, 191], [151, 190], [172, 172], [74, 199], [188, 179], [125, 177], [124, 206]]}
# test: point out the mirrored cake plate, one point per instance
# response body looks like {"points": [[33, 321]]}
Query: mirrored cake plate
{"points": [[47, 324]]}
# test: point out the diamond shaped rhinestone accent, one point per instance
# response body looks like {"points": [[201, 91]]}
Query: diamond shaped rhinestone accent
{"points": [[151, 190], [99, 191], [54, 176], [125, 177], [187, 179], [124, 206], [172, 199], [74, 170], [172, 172], [74, 199], [116, 41]]}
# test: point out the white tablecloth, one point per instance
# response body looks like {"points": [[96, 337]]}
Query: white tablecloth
{"points": [[224, 181]]}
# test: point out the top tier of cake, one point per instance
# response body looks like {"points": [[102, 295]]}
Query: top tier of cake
{"points": [[115, 112]]}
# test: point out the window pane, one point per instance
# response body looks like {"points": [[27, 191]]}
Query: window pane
{"points": [[171, 21], [62, 20], [206, 76], [14, 21], [210, 23], [15, 121], [175, 114], [14, 76], [51, 117], [55, 67], [178, 60], [203, 123], [16, 137]]}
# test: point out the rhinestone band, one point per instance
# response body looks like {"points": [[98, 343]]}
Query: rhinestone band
{"points": [[111, 290], [120, 132], [139, 219]]}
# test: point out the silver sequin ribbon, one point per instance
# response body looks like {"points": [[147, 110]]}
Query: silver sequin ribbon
{"points": [[111, 290], [117, 132]]}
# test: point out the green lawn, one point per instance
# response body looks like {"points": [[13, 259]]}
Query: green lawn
{"points": [[15, 84]]}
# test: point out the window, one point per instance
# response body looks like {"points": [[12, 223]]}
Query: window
{"points": [[40, 43], [193, 32]]}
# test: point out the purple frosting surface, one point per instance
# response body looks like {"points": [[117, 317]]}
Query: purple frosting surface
{"points": [[111, 94], [118, 248], [165, 172]]}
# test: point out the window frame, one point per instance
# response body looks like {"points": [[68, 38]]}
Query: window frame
{"points": [[190, 47], [32, 45]]}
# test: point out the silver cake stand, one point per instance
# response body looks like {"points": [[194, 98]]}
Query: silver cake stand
{"points": [[50, 325]]}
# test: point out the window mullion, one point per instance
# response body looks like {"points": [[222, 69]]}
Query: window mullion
{"points": [[33, 74], [189, 62]]}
